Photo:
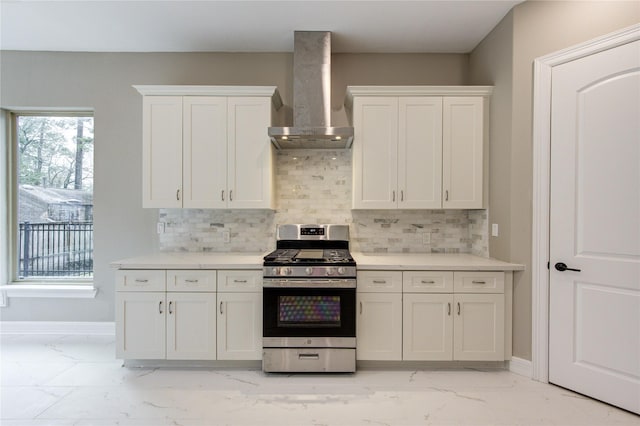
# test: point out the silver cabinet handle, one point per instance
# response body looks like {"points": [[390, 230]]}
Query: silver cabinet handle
{"points": [[394, 195], [231, 195], [402, 195], [142, 280], [428, 282], [478, 282], [222, 195], [458, 308], [360, 308], [221, 308], [177, 195], [160, 307], [191, 281], [446, 195], [379, 281], [449, 308], [170, 311], [240, 281]]}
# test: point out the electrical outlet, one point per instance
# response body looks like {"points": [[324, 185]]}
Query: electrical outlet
{"points": [[160, 227], [426, 238], [226, 236], [494, 229]]}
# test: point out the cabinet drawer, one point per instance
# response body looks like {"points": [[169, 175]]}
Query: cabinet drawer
{"points": [[140, 280], [379, 281], [478, 282], [191, 280], [427, 282], [240, 281]]}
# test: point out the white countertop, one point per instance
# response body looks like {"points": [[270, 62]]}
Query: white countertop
{"points": [[431, 261], [192, 261], [365, 261]]}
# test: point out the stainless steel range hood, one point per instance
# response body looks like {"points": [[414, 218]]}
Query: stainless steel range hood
{"points": [[311, 98]]}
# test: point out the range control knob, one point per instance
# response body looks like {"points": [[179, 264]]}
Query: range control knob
{"points": [[331, 270], [285, 271], [308, 271], [275, 271], [341, 270]]}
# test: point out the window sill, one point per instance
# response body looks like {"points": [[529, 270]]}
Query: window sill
{"points": [[70, 291]]}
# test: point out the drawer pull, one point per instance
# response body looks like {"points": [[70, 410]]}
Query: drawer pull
{"points": [[313, 357], [360, 308], [428, 282], [142, 280], [449, 308], [170, 311], [160, 307], [379, 281], [240, 281], [478, 282], [458, 308], [221, 308], [191, 281]]}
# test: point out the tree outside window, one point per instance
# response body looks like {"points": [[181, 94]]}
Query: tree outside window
{"points": [[55, 196]]}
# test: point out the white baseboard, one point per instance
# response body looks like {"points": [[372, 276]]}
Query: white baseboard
{"points": [[57, 327], [521, 366]]}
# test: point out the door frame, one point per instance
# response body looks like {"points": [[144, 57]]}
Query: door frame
{"points": [[542, 74]]}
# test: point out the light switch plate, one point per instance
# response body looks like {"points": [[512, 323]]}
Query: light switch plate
{"points": [[426, 238], [494, 230], [160, 227], [226, 236]]}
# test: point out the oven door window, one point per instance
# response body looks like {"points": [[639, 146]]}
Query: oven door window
{"points": [[304, 312], [308, 311]]}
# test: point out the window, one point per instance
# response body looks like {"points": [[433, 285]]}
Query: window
{"points": [[54, 193]]}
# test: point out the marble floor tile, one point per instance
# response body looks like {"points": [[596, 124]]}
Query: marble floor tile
{"points": [[76, 380]]}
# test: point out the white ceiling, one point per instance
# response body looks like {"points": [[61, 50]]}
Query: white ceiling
{"points": [[454, 26]]}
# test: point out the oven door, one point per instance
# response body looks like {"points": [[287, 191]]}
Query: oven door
{"points": [[311, 311]]}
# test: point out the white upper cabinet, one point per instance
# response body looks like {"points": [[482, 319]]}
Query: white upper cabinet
{"points": [[419, 147], [207, 146], [462, 152]]}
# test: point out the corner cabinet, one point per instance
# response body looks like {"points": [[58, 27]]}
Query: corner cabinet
{"points": [[422, 147], [207, 146]]}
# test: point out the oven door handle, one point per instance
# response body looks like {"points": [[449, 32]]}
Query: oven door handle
{"points": [[309, 283]]}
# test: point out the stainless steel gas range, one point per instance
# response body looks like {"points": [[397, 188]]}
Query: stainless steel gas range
{"points": [[309, 301]]}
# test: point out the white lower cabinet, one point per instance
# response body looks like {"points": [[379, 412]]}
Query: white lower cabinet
{"points": [[191, 326], [379, 326], [478, 327], [427, 332], [177, 315], [140, 325], [240, 326], [433, 316]]}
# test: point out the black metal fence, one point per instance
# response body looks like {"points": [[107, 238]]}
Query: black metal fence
{"points": [[55, 249]]}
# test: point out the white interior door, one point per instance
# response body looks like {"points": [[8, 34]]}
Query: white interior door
{"points": [[594, 311]]}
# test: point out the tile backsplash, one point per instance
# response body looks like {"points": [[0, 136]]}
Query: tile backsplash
{"points": [[314, 186]]}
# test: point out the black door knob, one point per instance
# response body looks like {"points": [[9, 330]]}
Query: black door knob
{"points": [[563, 267]]}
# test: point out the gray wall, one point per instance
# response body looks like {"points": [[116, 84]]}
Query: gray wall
{"points": [[102, 81], [505, 58]]}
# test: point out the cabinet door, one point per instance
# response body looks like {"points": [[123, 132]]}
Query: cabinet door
{"points": [[478, 327], [191, 326], [427, 327], [462, 152], [204, 151], [250, 156], [375, 153], [140, 325], [420, 153], [239, 326], [379, 326], [162, 151]]}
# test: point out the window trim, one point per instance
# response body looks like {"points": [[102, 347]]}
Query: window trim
{"points": [[10, 286]]}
